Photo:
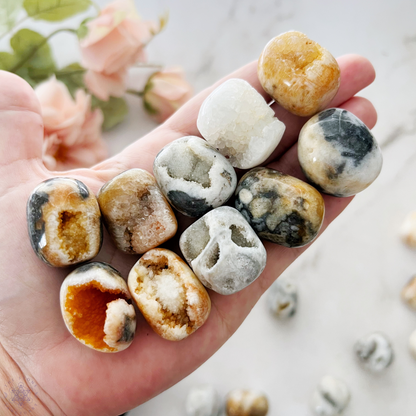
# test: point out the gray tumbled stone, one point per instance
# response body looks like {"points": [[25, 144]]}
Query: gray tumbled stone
{"points": [[282, 298]]}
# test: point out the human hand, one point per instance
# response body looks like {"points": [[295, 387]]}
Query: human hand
{"points": [[74, 380]]}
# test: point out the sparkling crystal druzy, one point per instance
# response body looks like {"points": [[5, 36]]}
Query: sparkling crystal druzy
{"points": [[96, 307], [235, 120], [136, 214], [193, 176], [64, 222], [279, 207], [168, 294], [223, 251], [338, 153], [299, 74]]}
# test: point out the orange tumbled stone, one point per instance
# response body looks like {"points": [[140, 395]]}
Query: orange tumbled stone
{"points": [[302, 76]]}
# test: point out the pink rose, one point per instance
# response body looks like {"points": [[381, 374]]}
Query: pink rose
{"points": [[72, 132], [114, 42], [165, 92]]}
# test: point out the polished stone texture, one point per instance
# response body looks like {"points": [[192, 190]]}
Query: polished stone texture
{"points": [[282, 298], [331, 397], [302, 76], [246, 403], [64, 222], [223, 250], [96, 307], [235, 120], [279, 207], [338, 153], [168, 294], [202, 401], [193, 176], [136, 214]]}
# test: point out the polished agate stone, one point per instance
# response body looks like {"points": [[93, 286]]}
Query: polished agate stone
{"points": [[282, 298], [202, 401], [338, 153], [246, 403], [279, 207], [64, 222], [168, 294], [331, 397], [409, 293], [223, 251], [235, 120], [96, 307], [374, 352], [302, 76], [193, 176], [136, 214]]}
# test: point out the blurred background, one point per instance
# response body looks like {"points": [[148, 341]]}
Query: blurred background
{"points": [[349, 281]]}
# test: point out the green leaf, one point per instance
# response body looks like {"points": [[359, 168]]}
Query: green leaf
{"points": [[7, 61], [55, 10], [114, 110], [82, 31], [72, 76], [9, 9]]}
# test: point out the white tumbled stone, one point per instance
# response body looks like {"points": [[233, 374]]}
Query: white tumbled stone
{"points": [[236, 120], [331, 397], [202, 401], [282, 298], [193, 176], [408, 230], [223, 251]]}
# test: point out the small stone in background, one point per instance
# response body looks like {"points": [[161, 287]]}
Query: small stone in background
{"points": [[136, 214], [282, 298], [298, 73], [374, 352], [338, 153], [168, 294], [223, 251], [331, 397], [279, 207], [202, 401], [408, 230], [96, 307], [409, 293], [246, 403], [64, 222], [236, 120], [412, 344], [193, 176]]}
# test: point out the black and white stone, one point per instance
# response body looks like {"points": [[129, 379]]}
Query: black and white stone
{"points": [[202, 401], [282, 298], [338, 153], [223, 251], [193, 176], [374, 352], [331, 397], [280, 208], [64, 222]]}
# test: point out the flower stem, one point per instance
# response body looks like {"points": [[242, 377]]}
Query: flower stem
{"points": [[136, 93], [14, 27], [34, 50]]}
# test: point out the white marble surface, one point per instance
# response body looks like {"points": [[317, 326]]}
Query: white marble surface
{"points": [[349, 281]]}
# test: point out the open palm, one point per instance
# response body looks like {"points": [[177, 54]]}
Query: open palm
{"points": [[70, 378]]}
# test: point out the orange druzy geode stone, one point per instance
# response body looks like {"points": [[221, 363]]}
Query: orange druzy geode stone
{"points": [[299, 74]]}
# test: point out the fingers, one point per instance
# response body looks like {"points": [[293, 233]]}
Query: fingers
{"points": [[20, 119]]}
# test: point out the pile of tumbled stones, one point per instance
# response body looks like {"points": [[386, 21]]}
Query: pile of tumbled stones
{"points": [[336, 151]]}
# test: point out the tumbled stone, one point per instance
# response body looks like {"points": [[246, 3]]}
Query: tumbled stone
{"points": [[136, 214], [299, 74], [374, 352], [338, 153], [331, 397], [279, 207], [64, 222], [96, 307], [223, 251], [409, 293], [168, 294], [235, 120], [282, 298], [246, 403], [193, 176], [412, 344], [408, 230], [202, 401]]}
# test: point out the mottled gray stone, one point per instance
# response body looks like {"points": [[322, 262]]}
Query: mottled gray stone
{"points": [[282, 298], [331, 397]]}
